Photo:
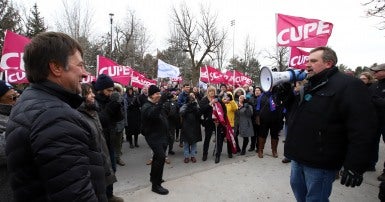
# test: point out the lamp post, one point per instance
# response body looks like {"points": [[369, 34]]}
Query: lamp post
{"points": [[111, 15], [233, 25]]}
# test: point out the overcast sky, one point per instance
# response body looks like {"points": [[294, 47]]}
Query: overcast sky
{"points": [[355, 37]]}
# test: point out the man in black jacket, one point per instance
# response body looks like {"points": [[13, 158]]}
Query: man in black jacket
{"points": [[52, 153], [155, 131], [109, 110], [378, 98], [330, 125]]}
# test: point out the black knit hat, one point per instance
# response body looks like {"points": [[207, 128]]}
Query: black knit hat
{"points": [[4, 87], [152, 90], [103, 82]]}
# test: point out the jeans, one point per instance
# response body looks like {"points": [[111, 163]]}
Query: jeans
{"points": [[311, 184], [189, 150]]}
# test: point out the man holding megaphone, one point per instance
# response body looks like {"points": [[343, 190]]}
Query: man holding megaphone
{"points": [[330, 126]]}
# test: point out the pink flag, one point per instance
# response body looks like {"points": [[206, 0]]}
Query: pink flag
{"points": [[178, 79], [298, 58], [139, 80], [235, 77], [90, 78], [12, 58], [302, 32], [211, 75], [118, 73], [222, 119], [16, 76], [13, 50], [204, 74]]}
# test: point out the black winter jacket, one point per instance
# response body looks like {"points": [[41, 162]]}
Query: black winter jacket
{"points": [[110, 113], [154, 123], [191, 123], [333, 125], [378, 98], [52, 154]]}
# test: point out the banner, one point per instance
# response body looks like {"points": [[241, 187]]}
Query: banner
{"points": [[166, 70], [118, 73], [15, 76], [90, 78], [298, 58], [12, 58], [211, 75], [178, 79], [234, 77], [302, 32], [138, 80], [219, 117]]}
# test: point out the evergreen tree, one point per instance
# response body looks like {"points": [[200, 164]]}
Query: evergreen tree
{"points": [[9, 20], [35, 23]]}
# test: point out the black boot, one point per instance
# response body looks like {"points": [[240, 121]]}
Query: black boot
{"points": [[204, 157], [159, 189], [253, 143], [217, 159], [244, 145], [136, 140], [129, 139]]}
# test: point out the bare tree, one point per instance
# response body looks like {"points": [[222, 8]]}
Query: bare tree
{"points": [[131, 42], [280, 58], [75, 20], [376, 8], [249, 51], [200, 38], [249, 65], [220, 55]]}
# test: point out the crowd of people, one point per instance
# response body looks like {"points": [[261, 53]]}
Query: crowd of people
{"points": [[63, 139]]}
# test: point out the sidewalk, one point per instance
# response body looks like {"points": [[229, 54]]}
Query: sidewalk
{"points": [[249, 179]]}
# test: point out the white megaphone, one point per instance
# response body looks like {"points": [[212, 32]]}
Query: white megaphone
{"points": [[269, 79]]}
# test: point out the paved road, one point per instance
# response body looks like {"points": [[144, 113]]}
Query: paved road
{"points": [[242, 178]]}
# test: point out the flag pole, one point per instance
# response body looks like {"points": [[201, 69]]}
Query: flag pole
{"points": [[233, 77]]}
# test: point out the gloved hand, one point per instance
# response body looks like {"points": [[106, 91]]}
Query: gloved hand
{"points": [[351, 178]]}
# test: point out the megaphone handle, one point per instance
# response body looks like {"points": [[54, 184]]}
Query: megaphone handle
{"points": [[293, 75]]}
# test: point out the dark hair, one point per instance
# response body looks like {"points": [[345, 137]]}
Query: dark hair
{"points": [[45, 48], [258, 88], [230, 96], [327, 55], [186, 84], [85, 89]]}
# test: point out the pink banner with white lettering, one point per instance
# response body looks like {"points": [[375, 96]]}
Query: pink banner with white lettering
{"points": [[298, 58], [12, 57], [118, 73], [16, 76], [139, 80], [234, 77], [90, 78], [211, 75], [302, 32], [178, 79]]}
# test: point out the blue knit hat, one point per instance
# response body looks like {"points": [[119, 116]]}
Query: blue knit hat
{"points": [[103, 82], [4, 87]]}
